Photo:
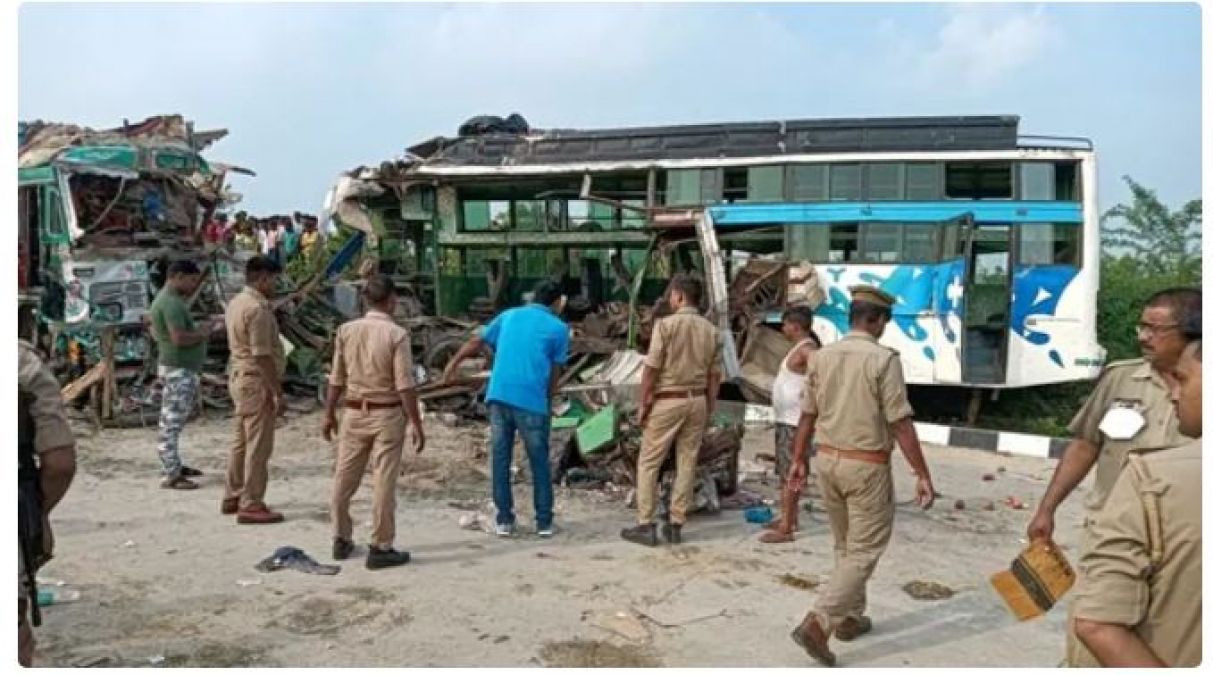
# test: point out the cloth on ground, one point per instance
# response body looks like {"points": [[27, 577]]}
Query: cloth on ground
{"points": [[296, 559]]}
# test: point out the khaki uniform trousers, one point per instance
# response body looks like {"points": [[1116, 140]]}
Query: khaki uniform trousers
{"points": [[248, 462], [858, 498], [677, 421], [377, 437]]}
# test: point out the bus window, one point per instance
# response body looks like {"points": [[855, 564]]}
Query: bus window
{"points": [[578, 213], [52, 207], [846, 182], [1037, 181], [480, 216], [977, 181], [689, 187], [808, 183], [682, 187], [1066, 181], [1048, 244], [886, 181], [528, 216], [844, 243], [920, 243], [924, 181], [880, 242], [765, 184], [736, 185], [808, 241]]}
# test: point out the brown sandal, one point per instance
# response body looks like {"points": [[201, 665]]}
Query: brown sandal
{"points": [[777, 536]]}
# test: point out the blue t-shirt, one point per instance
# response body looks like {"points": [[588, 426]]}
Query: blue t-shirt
{"points": [[526, 341]]}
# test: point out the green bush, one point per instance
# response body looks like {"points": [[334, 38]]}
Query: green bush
{"points": [[1125, 284]]}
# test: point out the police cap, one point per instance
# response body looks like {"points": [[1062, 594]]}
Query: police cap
{"points": [[872, 295]]}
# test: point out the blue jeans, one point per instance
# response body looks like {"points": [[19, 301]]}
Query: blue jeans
{"points": [[504, 421]]}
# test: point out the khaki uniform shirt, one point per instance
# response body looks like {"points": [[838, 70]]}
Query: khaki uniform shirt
{"points": [[856, 389], [372, 359], [1136, 384], [684, 350], [252, 331], [1159, 599], [50, 419]]}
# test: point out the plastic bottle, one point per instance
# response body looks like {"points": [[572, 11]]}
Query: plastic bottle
{"points": [[56, 596]]}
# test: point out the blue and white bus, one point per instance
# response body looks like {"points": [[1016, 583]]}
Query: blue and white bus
{"points": [[995, 283]]}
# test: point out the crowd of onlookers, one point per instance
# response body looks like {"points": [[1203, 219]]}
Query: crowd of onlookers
{"points": [[281, 238]]}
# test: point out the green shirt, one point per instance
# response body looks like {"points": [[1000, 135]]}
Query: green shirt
{"points": [[169, 310]]}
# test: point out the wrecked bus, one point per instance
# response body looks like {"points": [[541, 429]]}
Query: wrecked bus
{"points": [[989, 239], [100, 215]]}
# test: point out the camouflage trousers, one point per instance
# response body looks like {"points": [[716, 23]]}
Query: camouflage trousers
{"points": [[177, 402]]}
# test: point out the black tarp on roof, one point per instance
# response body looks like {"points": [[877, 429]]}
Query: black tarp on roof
{"points": [[750, 139]]}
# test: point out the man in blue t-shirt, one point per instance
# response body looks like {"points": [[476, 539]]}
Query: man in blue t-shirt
{"points": [[528, 345]]}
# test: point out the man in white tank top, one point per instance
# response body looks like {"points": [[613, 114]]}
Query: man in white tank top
{"points": [[785, 400]]}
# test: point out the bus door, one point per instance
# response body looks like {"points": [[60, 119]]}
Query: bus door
{"points": [[987, 304], [948, 300]]}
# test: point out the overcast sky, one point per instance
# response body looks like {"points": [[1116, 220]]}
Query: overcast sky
{"points": [[311, 90]]}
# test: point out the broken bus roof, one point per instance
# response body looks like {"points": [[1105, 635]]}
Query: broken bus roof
{"points": [[726, 141]]}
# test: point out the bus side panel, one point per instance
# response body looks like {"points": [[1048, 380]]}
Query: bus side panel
{"points": [[925, 343], [1051, 341]]}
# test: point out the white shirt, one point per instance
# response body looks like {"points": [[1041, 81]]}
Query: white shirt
{"points": [[787, 390]]}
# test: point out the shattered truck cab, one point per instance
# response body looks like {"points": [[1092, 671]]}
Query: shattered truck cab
{"points": [[100, 216]]}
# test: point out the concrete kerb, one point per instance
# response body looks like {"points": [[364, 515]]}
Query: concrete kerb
{"points": [[1003, 442]]}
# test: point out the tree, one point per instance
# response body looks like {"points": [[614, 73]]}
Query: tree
{"points": [[1162, 241]]}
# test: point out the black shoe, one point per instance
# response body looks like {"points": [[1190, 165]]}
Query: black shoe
{"points": [[672, 533], [645, 535], [342, 548], [379, 558], [190, 472]]}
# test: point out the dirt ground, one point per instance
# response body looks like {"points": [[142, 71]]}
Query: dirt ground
{"points": [[166, 580]]}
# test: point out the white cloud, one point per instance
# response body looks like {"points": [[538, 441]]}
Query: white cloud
{"points": [[981, 46]]}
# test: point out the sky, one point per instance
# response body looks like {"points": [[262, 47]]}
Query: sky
{"points": [[311, 90]]}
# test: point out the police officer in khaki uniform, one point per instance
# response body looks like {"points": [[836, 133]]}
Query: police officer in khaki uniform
{"points": [[855, 403], [1140, 603], [677, 396], [256, 364], [373, 366], [1129, 411], [55, 447]]}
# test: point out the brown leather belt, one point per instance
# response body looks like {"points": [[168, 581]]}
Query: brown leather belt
{"points": [[858, 455], [370, 405], [664, 395]]}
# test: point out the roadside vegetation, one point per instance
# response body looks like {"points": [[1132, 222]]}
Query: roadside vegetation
{"points": [[1147, 247]]}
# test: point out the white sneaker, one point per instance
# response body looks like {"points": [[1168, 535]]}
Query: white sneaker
{"points": [[547, 532], [505, 529]]}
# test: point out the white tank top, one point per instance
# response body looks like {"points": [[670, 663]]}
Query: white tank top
{"points": [[787, 389]]}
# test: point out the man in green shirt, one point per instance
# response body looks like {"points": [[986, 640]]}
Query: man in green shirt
{"points": [[181, 345]]}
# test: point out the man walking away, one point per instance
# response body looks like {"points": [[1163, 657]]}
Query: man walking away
{"points": [[677, 397], [786, 393], [855, 401], [529, 344], [46, 451], [181, 349], [373, 365], [256, 365]]}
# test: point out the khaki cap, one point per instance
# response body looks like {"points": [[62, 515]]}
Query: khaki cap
{"points": [[865, 293]]}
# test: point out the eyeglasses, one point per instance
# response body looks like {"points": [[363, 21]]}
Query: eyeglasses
{"points": [[1150, 329]]}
